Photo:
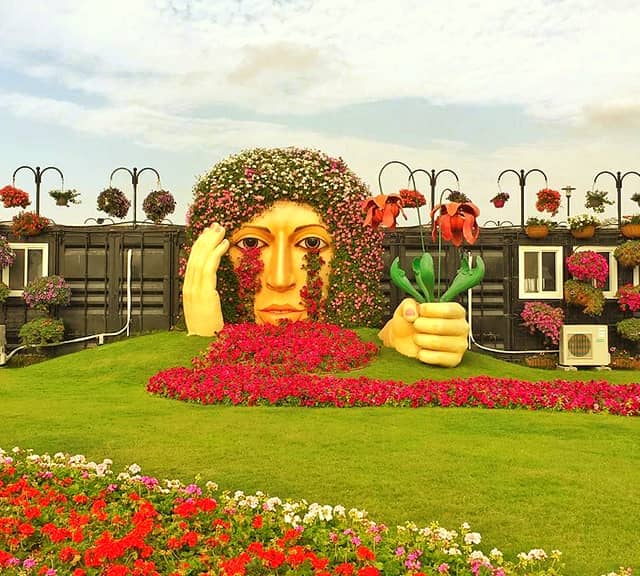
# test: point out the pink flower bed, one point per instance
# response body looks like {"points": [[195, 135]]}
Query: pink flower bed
{"points": [[251, 365]]}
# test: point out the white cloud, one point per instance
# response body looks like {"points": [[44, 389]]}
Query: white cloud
{"points": [[553, 58]]}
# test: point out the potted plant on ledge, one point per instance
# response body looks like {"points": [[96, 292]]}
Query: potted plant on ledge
{"points": [[583, 226], [65, 197], [538, 228], [630, 226]]}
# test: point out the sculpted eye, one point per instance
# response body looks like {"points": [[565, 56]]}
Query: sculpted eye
{"points": [[250, 242], [312, 242]]}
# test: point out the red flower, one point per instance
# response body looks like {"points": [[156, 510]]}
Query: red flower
{"points": [[411, 198], [368, 571], [548, 201], [382, 210], [257, 522], [12, 197], [456, 221], [363, 553]]}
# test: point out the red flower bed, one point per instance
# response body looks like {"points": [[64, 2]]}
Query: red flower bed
{"points": [[273, 365]]}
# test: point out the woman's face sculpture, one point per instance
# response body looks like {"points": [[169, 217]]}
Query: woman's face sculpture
{"points": [[285, 233]]}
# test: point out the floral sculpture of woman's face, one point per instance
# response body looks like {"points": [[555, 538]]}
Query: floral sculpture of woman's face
{"points": [[285, 233]]}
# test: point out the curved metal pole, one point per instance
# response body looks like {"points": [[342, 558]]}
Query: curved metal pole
{"points": [[435, 180], [37, 173], [135, 175], [618, 181], [520, 176], [522, 181], [382, 170], [621, 180]]}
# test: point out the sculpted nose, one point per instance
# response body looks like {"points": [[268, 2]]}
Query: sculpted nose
{"points": [[279, 273]]}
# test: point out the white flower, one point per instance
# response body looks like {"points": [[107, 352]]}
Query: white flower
{"points": [[453, 551], [472, 538], [495, 553], [134, 469]]}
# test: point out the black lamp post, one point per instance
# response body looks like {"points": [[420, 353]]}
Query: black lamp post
{"points": [[619, 178], [522, 181], [433, 179], [37, 173], [135, 175], [567, 192]]}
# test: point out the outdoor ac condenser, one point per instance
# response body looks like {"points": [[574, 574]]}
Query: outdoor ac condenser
{"points": [[584, 345]]}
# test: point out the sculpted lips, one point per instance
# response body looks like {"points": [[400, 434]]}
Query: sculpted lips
{"points": [[284, 309]]}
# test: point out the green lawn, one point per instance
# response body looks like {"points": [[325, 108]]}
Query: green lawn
{"points": [[523, 479]]}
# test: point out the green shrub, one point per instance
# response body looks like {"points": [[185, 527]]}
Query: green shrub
{"points": [[629, 329], [4, 292], [42, 331]]}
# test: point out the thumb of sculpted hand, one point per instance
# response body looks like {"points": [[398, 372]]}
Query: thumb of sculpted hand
{"points": [[398, 332], [201, 301]]}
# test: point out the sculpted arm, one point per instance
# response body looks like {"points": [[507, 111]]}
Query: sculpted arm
{"points": [[200, 298]]}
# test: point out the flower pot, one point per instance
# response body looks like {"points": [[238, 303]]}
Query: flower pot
{"points": [[498, 203], [544, 361], [62, 202], [537, 231], [584, 232], [630, 230]]}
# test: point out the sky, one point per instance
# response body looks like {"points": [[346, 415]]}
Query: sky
{"points": [[473, 86]]}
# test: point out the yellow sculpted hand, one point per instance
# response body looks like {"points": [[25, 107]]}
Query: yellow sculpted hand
{"points": [[200, 298], [434, 333]]}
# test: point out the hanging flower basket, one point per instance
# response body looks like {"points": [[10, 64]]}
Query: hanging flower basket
{"points": [[29, 224], [628, 253], [65, 197], [13, 197], [113, 202], [499, 199], [158, 205]]}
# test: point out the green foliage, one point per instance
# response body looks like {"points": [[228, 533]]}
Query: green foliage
{"points": [[629, 329], [628, 253], [583, 294], [4, 292], [597, 200], [42, 331]]}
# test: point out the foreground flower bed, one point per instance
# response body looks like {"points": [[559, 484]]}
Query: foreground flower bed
{"points": [[63, 515]]}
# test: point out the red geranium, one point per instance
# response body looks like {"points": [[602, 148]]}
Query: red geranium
{"points": [[29, 224], [548, 201], [412, 198], [12, 197]]}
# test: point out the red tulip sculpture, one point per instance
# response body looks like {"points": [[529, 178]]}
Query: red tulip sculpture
{"points": [[456, 221]]}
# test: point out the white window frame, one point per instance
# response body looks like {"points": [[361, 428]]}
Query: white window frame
{"points": [[613, 268], [44, 248], [556, 294]]}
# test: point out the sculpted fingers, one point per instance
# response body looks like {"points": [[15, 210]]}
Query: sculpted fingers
{"points": [[442, 310], [455, 344], [442, 326], [438, 358]]}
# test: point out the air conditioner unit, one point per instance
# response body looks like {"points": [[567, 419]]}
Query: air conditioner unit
{"points": [[584, 345]]}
